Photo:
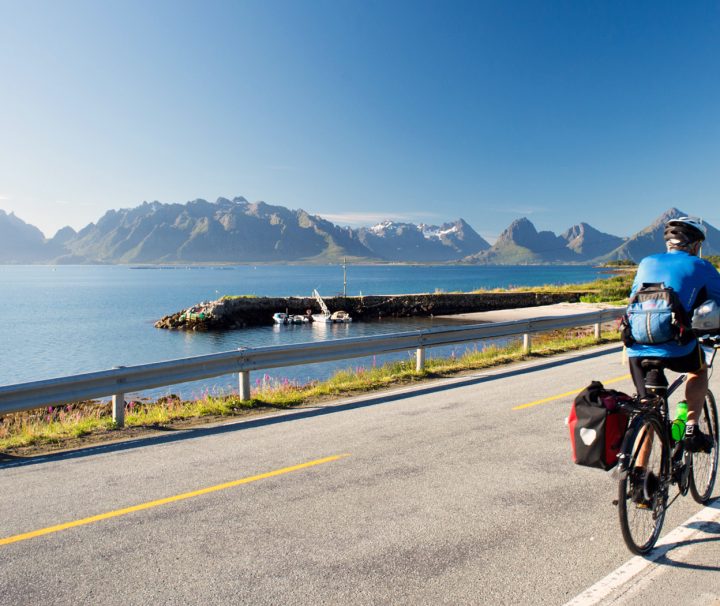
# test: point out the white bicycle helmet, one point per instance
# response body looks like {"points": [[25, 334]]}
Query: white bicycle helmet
{"points": [[684, 230]]}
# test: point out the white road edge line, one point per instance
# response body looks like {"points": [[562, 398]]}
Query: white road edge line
{"points": [[631, 568]]}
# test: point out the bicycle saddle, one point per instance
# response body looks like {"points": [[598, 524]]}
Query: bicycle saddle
{"points": [[655, 379], [650, 363]]}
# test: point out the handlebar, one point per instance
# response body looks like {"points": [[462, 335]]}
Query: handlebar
{"points": [[709, 341]]}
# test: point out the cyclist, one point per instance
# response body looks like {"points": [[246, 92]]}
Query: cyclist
{"points": [[695, 280]]}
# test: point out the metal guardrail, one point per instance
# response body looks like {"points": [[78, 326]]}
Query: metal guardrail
{"points": [[121, 380]]}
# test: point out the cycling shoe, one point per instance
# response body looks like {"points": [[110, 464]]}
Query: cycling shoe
{"points": [[697, 441], [644, 486]]}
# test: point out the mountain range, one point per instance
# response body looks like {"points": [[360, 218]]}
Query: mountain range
{"points": [[238, 231]]}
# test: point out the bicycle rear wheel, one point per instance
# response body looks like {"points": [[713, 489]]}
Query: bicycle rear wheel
{"points": [[704, 464], [641, 501]]}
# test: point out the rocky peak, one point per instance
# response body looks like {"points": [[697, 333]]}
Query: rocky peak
{"points": [[518, 232], [64, 234], [19, 241], [589, 242], [577, 231], [659, 223]]}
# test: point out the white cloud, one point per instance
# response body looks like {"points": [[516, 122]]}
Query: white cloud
{"points": [[4, 197]]}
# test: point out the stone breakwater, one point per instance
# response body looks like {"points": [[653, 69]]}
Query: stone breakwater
{"points": [[243, 312]]}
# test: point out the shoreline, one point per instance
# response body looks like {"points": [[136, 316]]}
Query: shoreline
{"points": [[339, 263], [229, 313]]}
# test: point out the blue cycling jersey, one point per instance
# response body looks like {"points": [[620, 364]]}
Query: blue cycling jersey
{"points": [[693, 279]]}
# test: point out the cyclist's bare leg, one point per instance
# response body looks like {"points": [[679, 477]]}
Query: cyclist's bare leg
{"points": [[638, 377], [695, 390], [645, 447]]}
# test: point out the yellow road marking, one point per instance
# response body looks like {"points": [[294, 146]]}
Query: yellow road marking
{"points": [[567, 393], [187, 495]]}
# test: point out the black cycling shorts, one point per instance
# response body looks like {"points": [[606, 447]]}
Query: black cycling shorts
{"points": [[692, 362]]}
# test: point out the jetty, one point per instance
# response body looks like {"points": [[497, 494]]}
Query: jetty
{"points": [[229, 313]]}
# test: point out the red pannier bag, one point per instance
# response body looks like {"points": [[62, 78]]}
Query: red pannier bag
{"points": [[597, 426]]}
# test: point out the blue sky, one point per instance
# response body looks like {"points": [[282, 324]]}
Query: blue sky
{"points": [[606, 112]]}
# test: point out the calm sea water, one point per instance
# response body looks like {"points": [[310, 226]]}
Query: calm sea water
{"points": [[72, 319]]}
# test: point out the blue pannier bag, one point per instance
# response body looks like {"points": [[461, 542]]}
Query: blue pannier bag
{"points": [[655, 315]]}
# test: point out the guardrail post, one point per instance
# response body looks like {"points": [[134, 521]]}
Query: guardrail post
{"points": [[244, 384], [597, 331], [118, 409], [420, 359], [527, 343]]}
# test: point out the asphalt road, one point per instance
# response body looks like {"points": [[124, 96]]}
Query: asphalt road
{"points": [[444, 494]]}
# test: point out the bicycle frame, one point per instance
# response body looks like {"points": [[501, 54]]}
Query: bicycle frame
{"points": [[658, 405], [637, 416], [650, 461]]}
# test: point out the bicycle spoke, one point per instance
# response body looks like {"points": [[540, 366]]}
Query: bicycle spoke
{"points": [[643, 497]]}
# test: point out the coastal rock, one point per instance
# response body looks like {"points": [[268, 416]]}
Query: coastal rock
{"points": [[240, 312]]}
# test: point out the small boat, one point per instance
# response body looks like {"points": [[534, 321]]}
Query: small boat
{"points": [[340, 317], [299, 319], [283, 318], [337, 317]]}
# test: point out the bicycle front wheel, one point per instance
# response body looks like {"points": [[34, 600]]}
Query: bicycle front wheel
{"points": [[704, 464], [642, 498]]}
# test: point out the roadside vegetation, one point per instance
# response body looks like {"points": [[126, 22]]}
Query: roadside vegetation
{"points": [[620, 263], [77, 424], [614, 290], [233, 297]]}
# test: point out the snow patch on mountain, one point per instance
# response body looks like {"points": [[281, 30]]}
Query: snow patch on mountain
{"points": [[429, 232]]}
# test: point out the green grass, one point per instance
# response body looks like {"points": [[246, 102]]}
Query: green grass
{"points": [[53, 426], [231, 297], [620, 263], [614, 290]]}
